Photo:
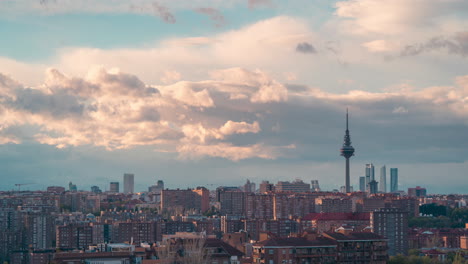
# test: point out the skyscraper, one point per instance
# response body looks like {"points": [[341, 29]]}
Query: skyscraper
{"points": [[383, 179], [128, 183], [393, 179], [362, 183], [347, 151], [370, 172]]}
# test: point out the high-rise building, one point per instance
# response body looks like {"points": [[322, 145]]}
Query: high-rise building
{"points": [[249, 186], [392, 223], [315, 186], [383, 179], [347, 151], [266, 186], [114, 187], [393, 180], [373, 187], [128, 182], [370, 172], [362, 183]]}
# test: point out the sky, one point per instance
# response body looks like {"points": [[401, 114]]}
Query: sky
{"points": [[215, 92]]}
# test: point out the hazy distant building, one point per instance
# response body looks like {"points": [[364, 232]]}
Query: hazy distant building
{"points": [[114, 187], [343, 189], [383, 179], [266, 186], [56, 189], [392, 223], [393, 180], [315, 186], [249, 186], [296, 186], [128, 183], [95, 189], [156, 188], [72, 187], [370, 174], [417, 192], [362, 183]]}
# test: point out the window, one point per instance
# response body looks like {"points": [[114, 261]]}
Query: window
{"points": [[271, 251], [271, 262]]}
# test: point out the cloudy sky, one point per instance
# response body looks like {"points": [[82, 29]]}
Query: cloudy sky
{"points": [[214, 92]]}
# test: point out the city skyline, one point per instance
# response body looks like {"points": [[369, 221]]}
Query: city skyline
{"points": [[217, 92]]}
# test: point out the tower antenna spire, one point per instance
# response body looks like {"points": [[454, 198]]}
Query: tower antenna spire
{"points": [[346, 118], [347, 151]]}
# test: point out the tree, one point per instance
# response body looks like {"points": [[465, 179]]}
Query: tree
{"points": [[183, 251]]}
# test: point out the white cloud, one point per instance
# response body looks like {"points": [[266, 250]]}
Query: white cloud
{"points": [[231, 127]]}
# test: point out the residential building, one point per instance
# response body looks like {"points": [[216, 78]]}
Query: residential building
{"points": [[296, 186], [392, 223], [114, 187], [417, 192], [266, 186]]}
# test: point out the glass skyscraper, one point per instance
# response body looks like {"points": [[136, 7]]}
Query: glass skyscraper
{"points": [[393, 179]]}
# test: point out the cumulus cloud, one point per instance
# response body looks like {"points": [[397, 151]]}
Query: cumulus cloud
{"points": [[395, 17], [231, 127], [223, 116]]}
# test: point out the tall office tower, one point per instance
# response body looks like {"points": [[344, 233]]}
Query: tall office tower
{"points": [[128, 182], [392, 223], [315, 186], [362, 183], [347, 151], [393, 180], [373, 187], [383, 179], [114, 187], [370, 172]]}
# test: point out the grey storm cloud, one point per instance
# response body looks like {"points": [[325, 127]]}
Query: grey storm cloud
{"points": [[164, 13], [305, 47], [214, 14], [59, 104], [456, 44]]}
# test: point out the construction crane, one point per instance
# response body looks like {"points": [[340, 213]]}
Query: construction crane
{"points": [[21, 184]]}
